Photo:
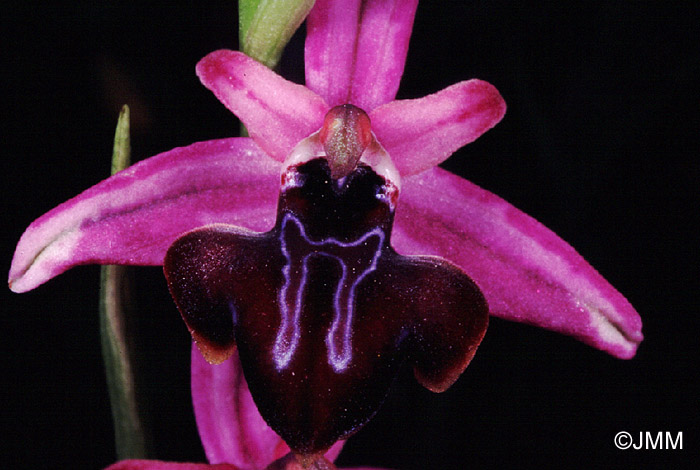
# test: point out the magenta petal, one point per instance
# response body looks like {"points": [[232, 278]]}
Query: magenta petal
{"points": [[229, 424], [419, 134], [276, 112], [526, 272], [158, 465], [134, 216], [355, 51]]}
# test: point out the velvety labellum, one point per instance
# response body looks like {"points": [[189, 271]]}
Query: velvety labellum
{"points": [[322, 310]]}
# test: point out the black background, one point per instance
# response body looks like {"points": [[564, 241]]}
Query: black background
{"points": [[600, 143]]}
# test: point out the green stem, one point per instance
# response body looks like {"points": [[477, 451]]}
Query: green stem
{"points": [[116, 310]]}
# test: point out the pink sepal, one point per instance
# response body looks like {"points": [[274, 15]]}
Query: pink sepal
{"points": [[355, 51], [134, 216], [527, 273]]}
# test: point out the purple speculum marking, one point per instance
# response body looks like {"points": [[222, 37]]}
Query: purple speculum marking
{"points": [[297, 249]]}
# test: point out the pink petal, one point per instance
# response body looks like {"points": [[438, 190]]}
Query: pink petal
{"points": [[356, 50], [158, 465], [229, 424], [276, 112], [134, 216], [419, 134], [526, 272]]}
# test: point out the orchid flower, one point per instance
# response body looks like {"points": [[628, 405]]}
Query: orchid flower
{"points": [[408, 258]]}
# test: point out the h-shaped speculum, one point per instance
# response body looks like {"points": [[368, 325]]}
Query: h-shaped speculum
{"points": [[355, 265]]}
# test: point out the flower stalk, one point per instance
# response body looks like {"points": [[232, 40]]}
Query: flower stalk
{"points": [[116, 312]]}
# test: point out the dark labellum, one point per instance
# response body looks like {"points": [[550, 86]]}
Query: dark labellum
{"points": [[322, 309]]}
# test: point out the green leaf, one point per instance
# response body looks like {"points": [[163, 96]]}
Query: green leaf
{"points": [[116, 313], [266, 26]]}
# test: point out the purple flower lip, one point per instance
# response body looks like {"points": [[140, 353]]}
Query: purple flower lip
{"points": [[321, 306]]}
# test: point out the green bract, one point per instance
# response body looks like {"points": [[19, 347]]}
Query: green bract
{"points": [[266, 26]]}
